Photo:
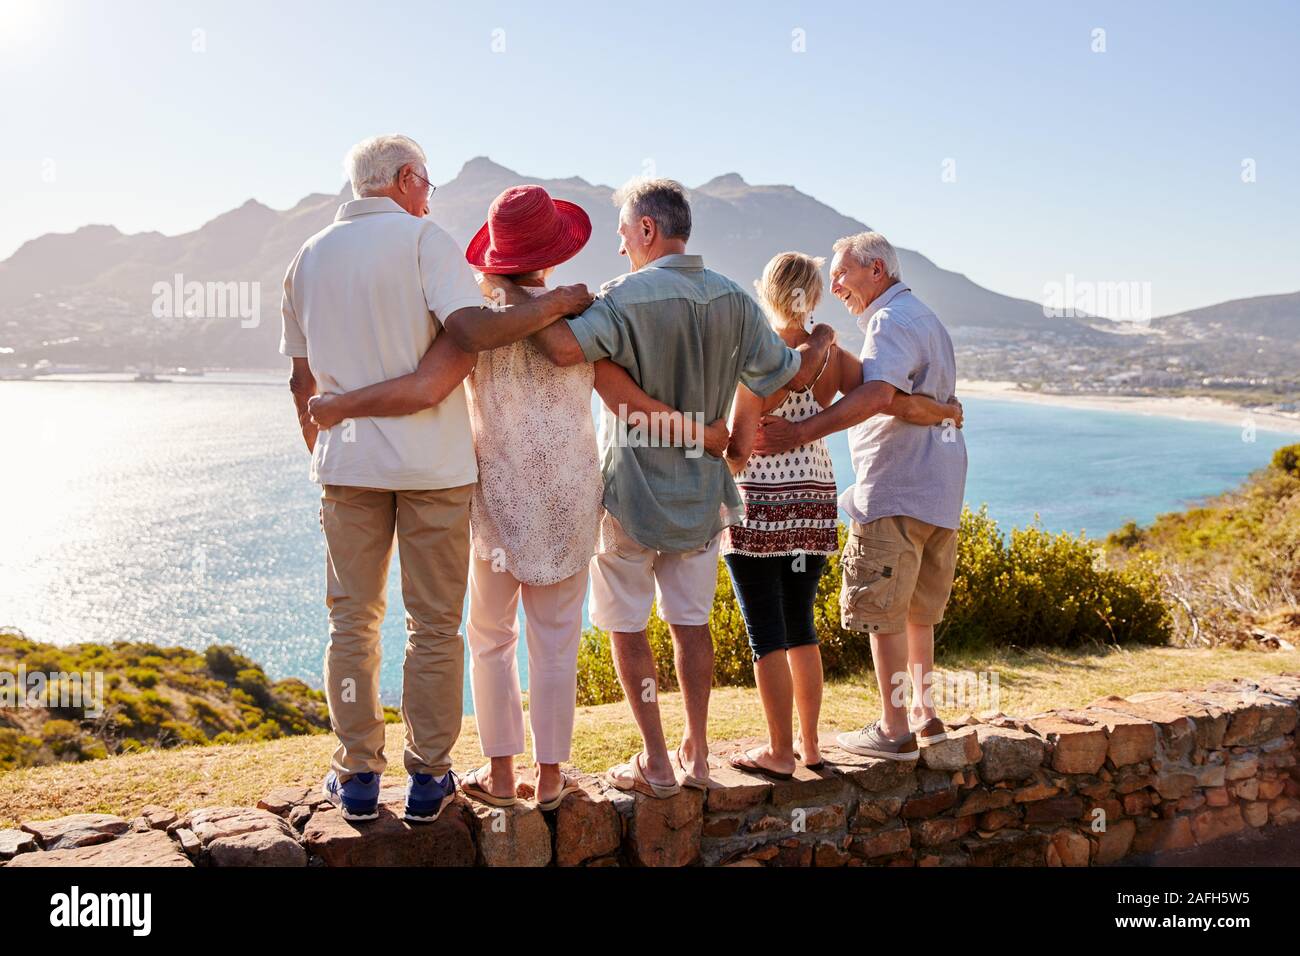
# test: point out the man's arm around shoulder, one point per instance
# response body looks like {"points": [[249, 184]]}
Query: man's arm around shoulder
{"points": [[513, 316]]}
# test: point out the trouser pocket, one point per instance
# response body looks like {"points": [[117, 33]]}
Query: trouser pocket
{"points": [[870, 577]]}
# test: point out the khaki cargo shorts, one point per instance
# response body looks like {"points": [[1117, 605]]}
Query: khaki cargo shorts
{"points": [[896, 570]]}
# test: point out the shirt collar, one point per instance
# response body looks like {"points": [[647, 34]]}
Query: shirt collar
{"points": [[677, 260], [880, 301], [365, 206]]}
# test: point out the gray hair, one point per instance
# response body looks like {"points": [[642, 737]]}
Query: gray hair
{"points": [[663, 200], [866, 247], [373, 164]]}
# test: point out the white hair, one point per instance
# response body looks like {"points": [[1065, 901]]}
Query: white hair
{"points": [[373, 164], [866, 247]]}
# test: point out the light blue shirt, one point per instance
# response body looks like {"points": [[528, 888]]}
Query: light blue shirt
{"points": [[899, 468]]}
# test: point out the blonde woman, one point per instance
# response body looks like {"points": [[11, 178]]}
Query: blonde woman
{"points": [[777, 554]]}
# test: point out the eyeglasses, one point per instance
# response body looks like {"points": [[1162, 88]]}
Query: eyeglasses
{"points": [[432, 188]]}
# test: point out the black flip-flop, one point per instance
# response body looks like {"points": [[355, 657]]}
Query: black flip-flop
{"points": [[756, 768], [814, 767]]}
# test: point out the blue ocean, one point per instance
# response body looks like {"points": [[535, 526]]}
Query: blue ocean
{"points": [[181, 513]]}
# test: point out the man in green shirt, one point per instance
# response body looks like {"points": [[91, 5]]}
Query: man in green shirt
{"points": [[687, 336]]}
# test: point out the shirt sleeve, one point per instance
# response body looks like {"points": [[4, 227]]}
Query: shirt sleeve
{"points": [[602, 332], [293, 342], [768, 363], [891, 353], [447, 278]]}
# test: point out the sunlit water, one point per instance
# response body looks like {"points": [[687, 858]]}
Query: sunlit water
{"points": [[181, 513]]}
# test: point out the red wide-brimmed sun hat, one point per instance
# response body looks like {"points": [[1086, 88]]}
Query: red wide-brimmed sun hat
{"points": [[527, 230]]}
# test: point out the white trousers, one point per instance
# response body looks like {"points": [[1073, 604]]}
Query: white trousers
{"points": [[553, 630]]}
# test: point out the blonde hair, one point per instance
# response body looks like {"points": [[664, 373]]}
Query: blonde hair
{"points": [[791, 287]]}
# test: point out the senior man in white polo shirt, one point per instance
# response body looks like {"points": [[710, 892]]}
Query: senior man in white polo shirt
{"points": [[366, 300]]}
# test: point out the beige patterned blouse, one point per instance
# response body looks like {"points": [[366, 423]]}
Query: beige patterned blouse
{"points": [[536, 507]]}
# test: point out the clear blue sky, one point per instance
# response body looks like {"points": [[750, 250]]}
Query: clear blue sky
{"points": [[1122, 165]]}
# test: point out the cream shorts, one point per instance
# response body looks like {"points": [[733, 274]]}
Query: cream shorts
{"points": [[627, 578]]}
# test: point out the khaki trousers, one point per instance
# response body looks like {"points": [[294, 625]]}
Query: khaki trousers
{"points": [[432, 530]]}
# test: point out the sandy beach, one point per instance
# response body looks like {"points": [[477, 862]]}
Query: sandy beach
{"points": [[1191, 409]]}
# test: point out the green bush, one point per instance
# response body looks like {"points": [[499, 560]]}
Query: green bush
{"points": [[1026, 589], [1036, 588], [173, 733], [252, 681], [1231, 565], [142, 676], [1287, 459], [224, 662], [155, 697]]}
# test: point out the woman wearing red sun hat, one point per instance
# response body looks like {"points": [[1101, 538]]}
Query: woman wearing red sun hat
{"points": [[536, 509]]}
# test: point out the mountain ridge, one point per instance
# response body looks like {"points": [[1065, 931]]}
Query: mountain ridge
{"points": [[86, 296]]}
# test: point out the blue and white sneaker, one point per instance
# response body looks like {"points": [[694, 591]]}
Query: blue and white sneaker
{"points": [[357, 797], [427, 797]]}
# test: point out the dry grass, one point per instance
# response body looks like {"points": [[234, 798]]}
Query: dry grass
{"points": [[1029, 682]]}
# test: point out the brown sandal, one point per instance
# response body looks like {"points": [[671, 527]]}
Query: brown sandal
{"points": [[630, 776], [695, 783], [567, 786], [471, 786]]}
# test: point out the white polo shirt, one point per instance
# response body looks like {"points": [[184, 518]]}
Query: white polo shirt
{"points": [[363, 301]]}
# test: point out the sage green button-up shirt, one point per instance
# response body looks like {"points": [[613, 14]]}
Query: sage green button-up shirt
{"points": [[687, 335]]}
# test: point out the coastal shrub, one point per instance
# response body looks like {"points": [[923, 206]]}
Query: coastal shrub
{"points": [[1230, 567], [143, 676], [1287, 460], [1026, 588], [154, 697], [61, 736], [203, 712], [18, 750], [1032, 588], [253, 682], [173, 733], [224, 661]]}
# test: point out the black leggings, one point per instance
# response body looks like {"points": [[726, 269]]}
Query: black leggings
{"points": [[775, 599]]}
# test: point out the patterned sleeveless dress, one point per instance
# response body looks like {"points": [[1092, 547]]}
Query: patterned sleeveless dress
{"points": [[790, 499]]}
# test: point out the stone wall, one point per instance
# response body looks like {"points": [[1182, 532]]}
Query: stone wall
{"points": [[1151, 772]]}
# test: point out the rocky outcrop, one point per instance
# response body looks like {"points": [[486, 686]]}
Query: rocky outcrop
{"points": [[1086, 786]]}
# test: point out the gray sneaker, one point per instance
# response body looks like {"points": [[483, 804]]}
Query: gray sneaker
{"points": [[871, 741], [928, 732]]}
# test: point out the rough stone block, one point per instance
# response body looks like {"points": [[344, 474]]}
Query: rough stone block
{"points": [[390, 840], [1068, 848], [510, 836], [1078, 743], [666, 832], [1114, 842], [1008, 754], [77, 830], [150, 848], [1213, 824], [959, 751]]}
